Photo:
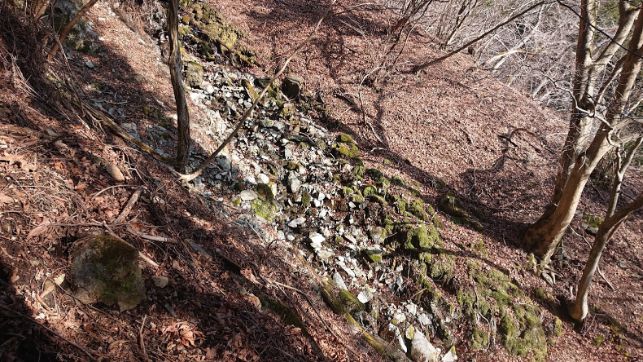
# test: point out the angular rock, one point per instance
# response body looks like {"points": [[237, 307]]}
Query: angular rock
{"points": [[422, 350], [248, 195]]}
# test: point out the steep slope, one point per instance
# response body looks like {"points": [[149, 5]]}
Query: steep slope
{"points": [[246, 248]]}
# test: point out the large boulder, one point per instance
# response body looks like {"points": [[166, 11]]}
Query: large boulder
{"points": [[105, 269]]}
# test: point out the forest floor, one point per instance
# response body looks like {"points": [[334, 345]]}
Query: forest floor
{"points": [[451, 129]]}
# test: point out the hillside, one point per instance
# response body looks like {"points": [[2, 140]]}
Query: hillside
{"points": [[345, 221]]}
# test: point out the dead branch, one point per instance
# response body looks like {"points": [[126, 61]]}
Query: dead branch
{"points": [[128, 207], [70, 25], [423, 66]]}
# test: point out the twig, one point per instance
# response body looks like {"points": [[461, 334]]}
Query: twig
{"points": [[109, 188], [128, 207], [422, 66], [91, 356], [141, 341], [161, 239], [600, 272]]}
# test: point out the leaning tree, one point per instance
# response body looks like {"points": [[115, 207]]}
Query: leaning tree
{"points": [[607, 67]]}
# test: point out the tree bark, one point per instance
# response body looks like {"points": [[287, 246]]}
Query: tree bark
{"points": [[67, 29], [545, 234], [176, 69], [580, 308]]}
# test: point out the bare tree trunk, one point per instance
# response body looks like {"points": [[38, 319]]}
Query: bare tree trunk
{"points": [[176, 69], [67, 29], [621, 167], [544, 235], [580, 308]]}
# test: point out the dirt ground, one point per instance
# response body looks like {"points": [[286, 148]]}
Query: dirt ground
{"points": [[450, 128]]}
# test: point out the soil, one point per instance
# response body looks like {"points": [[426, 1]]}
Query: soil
{"points": [[451, 129]]}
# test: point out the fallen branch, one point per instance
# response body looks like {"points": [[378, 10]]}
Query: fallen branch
{"points": [[128, 207], [248, 112]]}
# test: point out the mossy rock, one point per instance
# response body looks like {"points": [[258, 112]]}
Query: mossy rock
{"points": [[264, 209], [369, 190], [591, 223], [345, 138], [250, 89], [423, 237], [306, 199], [105, 269], [350, 303], [450, 205], [348, 150], [400, 204], [358, 171], [442, 268], [265, 192], [397, 181], [194, 74], [357, 197], [374, 256], [374, 173], [211, 29], [522, 333], [417, 208]]}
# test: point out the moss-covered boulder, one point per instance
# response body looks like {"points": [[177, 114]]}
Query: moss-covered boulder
{"points": [[206, 29], [105, 269], [194, 74]]}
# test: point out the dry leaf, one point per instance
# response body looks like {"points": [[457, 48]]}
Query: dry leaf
{"points": [[114, 171], [39, 229], [4, 199]]}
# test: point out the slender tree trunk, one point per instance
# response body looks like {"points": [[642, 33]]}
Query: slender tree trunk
{"points": [[176, 69], [580, 308], [67, 29], [622, 165]]}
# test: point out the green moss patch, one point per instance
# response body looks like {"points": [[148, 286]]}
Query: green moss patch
{"points": [[205, 27]]}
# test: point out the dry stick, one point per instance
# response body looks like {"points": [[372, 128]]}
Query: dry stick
{"points": [[91, 356], [141, 340], [70, 25], [128, 207], [422, 66], [248, 112]]}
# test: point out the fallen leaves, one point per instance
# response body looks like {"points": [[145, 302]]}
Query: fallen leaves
{"points": [[180, 336]]}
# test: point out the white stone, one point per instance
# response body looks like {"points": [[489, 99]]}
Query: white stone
{"points": [[248, 195], [422, 350], [450, 356], [263, 178], [316, 240]]}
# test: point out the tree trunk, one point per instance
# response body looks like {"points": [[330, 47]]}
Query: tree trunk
{"points": [[580, 308], [176, 69], [67, 29], [544, 235]]}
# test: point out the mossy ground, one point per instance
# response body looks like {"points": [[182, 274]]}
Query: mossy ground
{"points": [[206, 29]]}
